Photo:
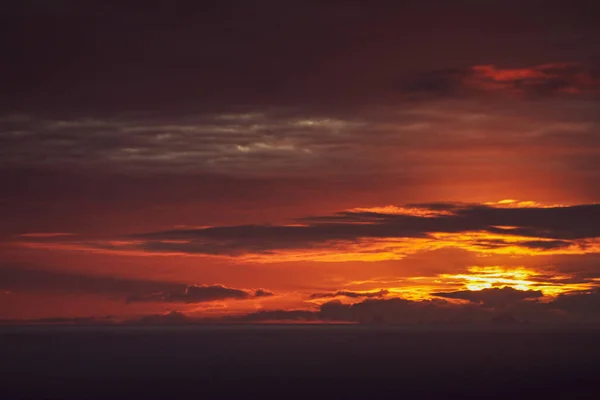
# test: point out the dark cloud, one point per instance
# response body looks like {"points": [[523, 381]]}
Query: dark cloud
{"points": [[550, 229], [262, 293], [200, 294], [580, 304], [495, 306], [548, 244], [169, 318], [493, 297], [498, 306], [22, 279], [349, 293], [274, 316], [91, 320], [27, 279]]}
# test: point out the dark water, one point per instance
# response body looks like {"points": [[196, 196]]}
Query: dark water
{"points": [[297, 362]]}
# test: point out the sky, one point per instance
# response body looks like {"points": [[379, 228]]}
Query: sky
{"points": [[299, 161]]}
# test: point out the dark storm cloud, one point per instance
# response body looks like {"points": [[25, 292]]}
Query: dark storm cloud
{"points": [[349, 293], [23, 279], [494, 297], [200, 294]]}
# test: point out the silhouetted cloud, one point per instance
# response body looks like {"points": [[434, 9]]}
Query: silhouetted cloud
{"points": [[488, 306], [200, 294], [579, 304], [273, 316], [46, 280], [263, 293], [497, 306], [168, 318], [492, 297], [89, 320], [535, 228], [22, 279]]}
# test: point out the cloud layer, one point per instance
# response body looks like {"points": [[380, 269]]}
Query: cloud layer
{"points": [[388, 233]]}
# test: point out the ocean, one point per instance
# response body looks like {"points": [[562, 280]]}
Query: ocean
{"points": [[298, 362]]}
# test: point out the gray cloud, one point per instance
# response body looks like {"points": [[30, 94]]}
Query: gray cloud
{"points": [[299, 142]]}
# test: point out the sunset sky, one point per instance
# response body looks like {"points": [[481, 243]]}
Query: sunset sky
{"points": [[300, 161]]}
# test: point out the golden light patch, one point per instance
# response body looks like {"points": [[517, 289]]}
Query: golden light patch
{"points": [[521, 278], [395, 210], [511, 203]]}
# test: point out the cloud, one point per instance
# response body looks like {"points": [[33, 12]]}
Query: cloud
{"points": [[22, 279], [349, 293], [262, 293], [273, 316], [490, 306], [200, 294], [586, 303], [495, 306], [493, 297], [45, 280], [89, 320], [364, 235], [168, 318]]}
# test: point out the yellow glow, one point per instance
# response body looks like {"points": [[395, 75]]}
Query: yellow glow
{"points": [[521, 278], [475, 278], [523, 204], [367, 249], [395, 210]]}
